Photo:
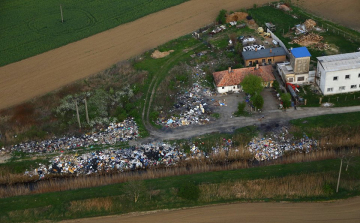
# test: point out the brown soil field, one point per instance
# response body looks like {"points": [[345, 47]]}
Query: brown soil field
{"points": [[46, 72], [345, 211]]}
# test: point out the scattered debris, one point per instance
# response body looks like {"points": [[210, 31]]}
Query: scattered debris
{"points": [[236, 16]]}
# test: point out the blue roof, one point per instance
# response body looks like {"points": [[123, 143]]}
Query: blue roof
{"points": [[300, 52]]}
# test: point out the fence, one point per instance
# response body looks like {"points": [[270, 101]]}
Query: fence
{"points": [[274, 37]]}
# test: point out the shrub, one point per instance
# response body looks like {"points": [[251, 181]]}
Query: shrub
{"points": [[241, 107], [189, 191], [221, 19]]}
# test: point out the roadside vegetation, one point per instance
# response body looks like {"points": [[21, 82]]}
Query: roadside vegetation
{"points": [[308, 181]]}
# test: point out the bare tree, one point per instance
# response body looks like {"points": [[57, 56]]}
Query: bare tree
{"points": [[134, 189]]}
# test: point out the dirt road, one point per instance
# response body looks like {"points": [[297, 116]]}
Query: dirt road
{"points": [[345, 211], [40, 74]]}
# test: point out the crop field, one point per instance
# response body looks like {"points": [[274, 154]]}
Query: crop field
{"points": [[28, 28]]}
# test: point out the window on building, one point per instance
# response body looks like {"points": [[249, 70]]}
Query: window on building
{"points": [[291, 79], [223, 88], [234, 87], [250, 63], [353, 86], [335, 78], [300, 78], [359, 74], [269, 61], [347, 76], [238, 86], [342, 88], [263, 61], [330, 89]]}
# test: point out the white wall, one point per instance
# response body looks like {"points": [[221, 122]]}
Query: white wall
{"points": [[327, 81], [228, 89]]}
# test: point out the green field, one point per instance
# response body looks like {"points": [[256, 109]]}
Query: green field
{"points": [[28, 28]]}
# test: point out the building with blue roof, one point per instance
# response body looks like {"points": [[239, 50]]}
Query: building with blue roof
{"points": [[297, 72]]}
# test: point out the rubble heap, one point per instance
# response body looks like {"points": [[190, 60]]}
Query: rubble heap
{"points": [[114, 133]]}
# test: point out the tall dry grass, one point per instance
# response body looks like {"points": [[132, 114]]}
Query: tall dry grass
{"points": [[298, 186]]}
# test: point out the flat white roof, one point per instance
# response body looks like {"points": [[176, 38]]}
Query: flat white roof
{"points": [[337, 62]]}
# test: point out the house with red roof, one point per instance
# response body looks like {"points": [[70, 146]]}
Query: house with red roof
{"points": [[230, 80]]}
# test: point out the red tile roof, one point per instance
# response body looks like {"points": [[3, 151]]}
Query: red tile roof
{"points": [[224, 78]]}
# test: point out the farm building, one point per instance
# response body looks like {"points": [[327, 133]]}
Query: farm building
{"points": [[338, 73], [264, 56], [297, 70], [230, 80]]}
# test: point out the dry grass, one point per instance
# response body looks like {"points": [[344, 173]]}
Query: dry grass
{"points": [[305, 185], [94, 204]]}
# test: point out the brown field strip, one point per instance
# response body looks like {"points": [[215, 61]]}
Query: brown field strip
{"points": [[46, 72], [344, 211]]}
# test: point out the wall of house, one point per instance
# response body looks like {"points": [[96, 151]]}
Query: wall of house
{"points": [[276, 59], [234, 88], [327, 81], [300, 65]]}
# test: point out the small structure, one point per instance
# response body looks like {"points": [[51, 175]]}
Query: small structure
{"points": [[338, 73], [270, 26], [264, 56], [230, 80], [297, 71]]}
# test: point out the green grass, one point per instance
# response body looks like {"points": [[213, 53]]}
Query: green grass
{"points": [[339, 100], [345, 119], [55, 206], [29, 28]]}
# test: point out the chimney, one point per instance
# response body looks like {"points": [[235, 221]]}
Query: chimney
{"points": [[257, 66], [271, 50], [229, 70]]}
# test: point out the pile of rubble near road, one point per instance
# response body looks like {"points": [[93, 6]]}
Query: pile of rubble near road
{"points": [[193, 107], [308, 39]]}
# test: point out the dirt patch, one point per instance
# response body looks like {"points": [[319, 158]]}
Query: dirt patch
{"points": [[157, 54], [46, 72], [236, 16], [346, 210]]}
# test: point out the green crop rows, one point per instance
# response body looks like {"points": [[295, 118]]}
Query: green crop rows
{"points": [[28, 28]]}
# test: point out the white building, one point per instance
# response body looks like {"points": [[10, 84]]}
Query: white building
{"points": [[338, 73]]}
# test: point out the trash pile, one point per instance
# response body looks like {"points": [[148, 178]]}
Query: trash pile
{"points": [[145, 156], [277, 144], [193, 107], [114, 133]]}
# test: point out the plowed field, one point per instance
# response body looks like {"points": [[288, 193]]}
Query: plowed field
{"points": [[40, 74]]}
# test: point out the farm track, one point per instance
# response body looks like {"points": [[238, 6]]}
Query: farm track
{"points": [[163, 70], [345, 211], [38, 75]]}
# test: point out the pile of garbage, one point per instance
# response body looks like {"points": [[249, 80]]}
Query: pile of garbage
{"points": [[145, 156], [277, 144], [192, 106], [114, 133]]}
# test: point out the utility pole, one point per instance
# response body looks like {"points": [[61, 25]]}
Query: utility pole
{"points": [[337, 187], [62, 18], [77, 113], [86, 110]]}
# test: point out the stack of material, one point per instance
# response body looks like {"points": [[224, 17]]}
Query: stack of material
{"points": [[276, 145], [114, 133], [146, 156], [309, 24], [322, 46], [193, 107], [236, 16], [309, 38]]}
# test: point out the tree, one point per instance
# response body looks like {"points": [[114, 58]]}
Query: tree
{"points": [[258, 101], [134, 189], [286, 99], [252, 84], [221, 19]]}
